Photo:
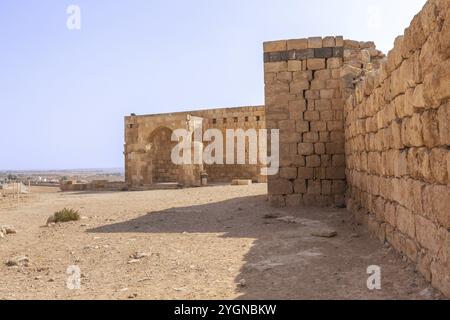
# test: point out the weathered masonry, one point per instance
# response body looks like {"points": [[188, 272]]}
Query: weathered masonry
{"points": [[357, 128], [397, 139], [148, 146], [373, 128], [305, 84]]}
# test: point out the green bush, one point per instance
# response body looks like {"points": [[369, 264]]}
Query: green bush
{"points": [[65, 215]]}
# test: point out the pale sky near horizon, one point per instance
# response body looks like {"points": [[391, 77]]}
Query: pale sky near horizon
{"points": [[63, 94]]}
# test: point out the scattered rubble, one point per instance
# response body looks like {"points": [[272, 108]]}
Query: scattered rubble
{"points": [[290, 219], [6, 230], [137, 257], [428, 293], [324, 233], [242, 283], [271, 216], [241, 182], [18, 261], [264, 265]]}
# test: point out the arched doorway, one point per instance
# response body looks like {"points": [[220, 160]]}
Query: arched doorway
{"points": [[162, 169]]}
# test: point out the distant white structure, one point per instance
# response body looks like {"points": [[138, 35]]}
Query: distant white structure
{"points": [[15, 188]]}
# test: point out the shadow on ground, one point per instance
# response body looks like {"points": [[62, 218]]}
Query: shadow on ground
{"points": [[286, 261]]}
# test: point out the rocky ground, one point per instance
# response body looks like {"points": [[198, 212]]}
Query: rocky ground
{"points": [[221, 242]]}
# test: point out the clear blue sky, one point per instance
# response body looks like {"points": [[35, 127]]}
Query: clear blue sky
{"points": [[63, 94]]}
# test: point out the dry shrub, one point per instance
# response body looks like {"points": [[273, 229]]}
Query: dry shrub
{"points": [[65, 215]]}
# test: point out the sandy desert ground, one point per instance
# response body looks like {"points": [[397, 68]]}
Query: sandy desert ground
{"points": [[221, 242]]}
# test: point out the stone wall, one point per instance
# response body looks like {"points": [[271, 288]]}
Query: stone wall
{"points": [[397, 134], [355, 127], [148, 145], [148, 148], [244, 118], [304, 91]]}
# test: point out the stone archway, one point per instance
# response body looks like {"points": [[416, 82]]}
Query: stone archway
{"points": [[160, 168], [148, 150]]}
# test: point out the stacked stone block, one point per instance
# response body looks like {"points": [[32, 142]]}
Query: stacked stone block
{"points": [[397, 133], [148, 146], [244, 118], [304, 101]]}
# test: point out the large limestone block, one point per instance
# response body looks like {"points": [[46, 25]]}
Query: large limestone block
{"points": [[444, 35], [277, 88], [284, 76], [443, 117], [430, 127], [448, 168], [314, 187], [305, 173], [335, 173], [438, 164], [312, 115], [390, 213], [440, 276], [275, 46], [274, 67], [297, 44], [311, 137], [295, 65], [305, 149], [302, 126], [318, 126], [294, 200], [419, 164], [396, 134], [436, 200], [414, 37], [277, 201], [303, 75], [317, 84], [400, 163], [338, 187], [298, 86], [313, 161], [280, 187], [413, 195], [427, 234], [412, 131], [316, 64], [334, 63], [329, 42], [437, 84], [300, 186], [288, 173], [315, 42], [406, 222]]}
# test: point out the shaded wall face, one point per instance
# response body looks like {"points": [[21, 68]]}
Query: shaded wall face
{"points": [[244, 118], [162, 168], [397, 146], [148, 146], [303, 99], [148, 149]]}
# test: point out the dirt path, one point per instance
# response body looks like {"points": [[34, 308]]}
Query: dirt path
{"points": [[198, 244]]}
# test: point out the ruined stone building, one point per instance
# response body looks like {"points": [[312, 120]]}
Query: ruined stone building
{"points": [[148, 146], [357, 128]]}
